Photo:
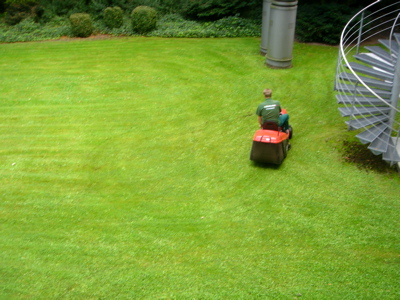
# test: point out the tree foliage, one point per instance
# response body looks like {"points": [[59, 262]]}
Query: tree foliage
{"points": [[18, 11], [217, 9], [322, 23], [194, 9], [317, 20], [18, 2], [65, 7]]}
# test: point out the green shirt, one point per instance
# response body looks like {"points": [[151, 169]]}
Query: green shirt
{"points": [[269, 110]]}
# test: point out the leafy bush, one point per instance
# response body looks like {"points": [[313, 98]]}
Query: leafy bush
{"points": [[236, 27], [28, 30], [113, 17], [81, 25], [144, 19], [322, 23], [174, 25]]}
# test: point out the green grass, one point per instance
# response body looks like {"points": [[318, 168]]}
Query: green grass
{"points": [[125, 174]]}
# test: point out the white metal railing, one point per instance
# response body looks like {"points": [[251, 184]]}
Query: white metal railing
{"points": [[366, 26]]}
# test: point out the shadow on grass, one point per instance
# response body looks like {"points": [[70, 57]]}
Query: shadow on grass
{"points": [[355, 153], [265, 165]]}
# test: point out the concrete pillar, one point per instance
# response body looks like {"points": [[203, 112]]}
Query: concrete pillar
{"points": [[265, 26], [281, 33]]}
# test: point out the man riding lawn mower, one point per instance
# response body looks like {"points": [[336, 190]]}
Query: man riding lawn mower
{"points": [[271, 142]]}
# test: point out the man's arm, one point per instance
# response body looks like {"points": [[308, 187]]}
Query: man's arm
{"points": [[260, 120]]}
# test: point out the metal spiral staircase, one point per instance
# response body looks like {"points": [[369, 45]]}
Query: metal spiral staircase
{"points": [[368, 82]]}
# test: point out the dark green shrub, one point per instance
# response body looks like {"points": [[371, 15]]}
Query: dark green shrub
{"points": [[81, 25], [113, 17], [144, 19]]}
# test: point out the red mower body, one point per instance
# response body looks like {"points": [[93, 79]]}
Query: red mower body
{"points": [[270, 146], [270, 136]]}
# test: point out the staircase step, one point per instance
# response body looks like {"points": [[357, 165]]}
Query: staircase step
{"points": [[363, 111], [380, 144], [382, 53], [392, 154], [365, 122], [372, 133], [397, 37], [368, 58], [351, 100], [360, 90], [390, 45], [371, 72], [367, 80]]}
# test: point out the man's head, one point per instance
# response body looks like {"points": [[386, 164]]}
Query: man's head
{"points": [[267, 93]]}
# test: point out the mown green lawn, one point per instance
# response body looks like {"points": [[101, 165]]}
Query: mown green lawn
{"points": [[125, 174]]}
